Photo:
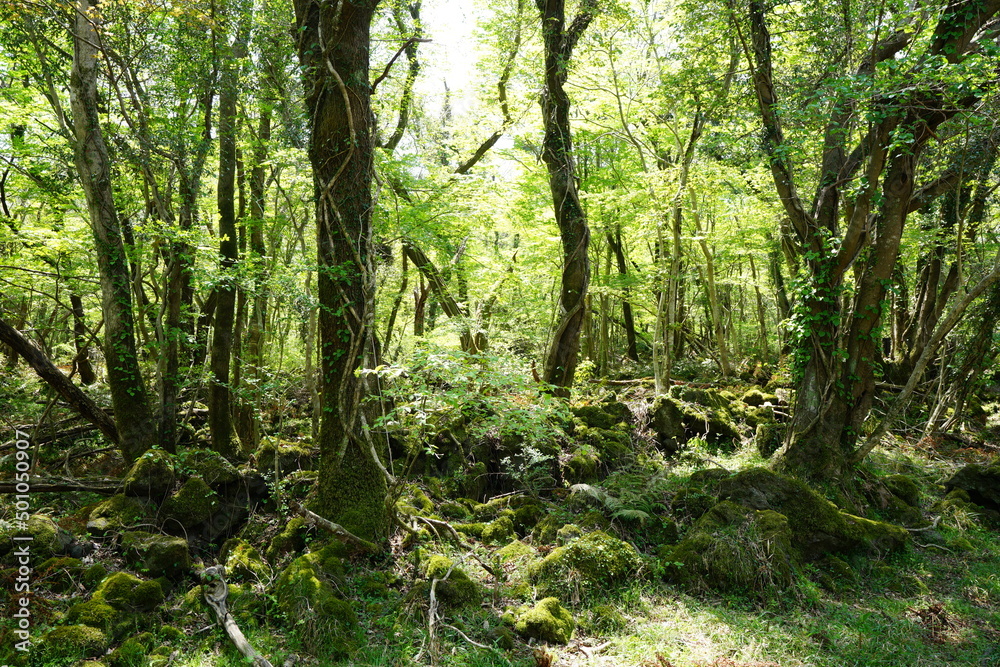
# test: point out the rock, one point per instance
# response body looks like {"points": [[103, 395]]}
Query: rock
{"points": [[118, 512], [514, 552], [756, 398], [157, 555], [818, 526], [735, 549], [451, 509], [596, 416], [126, 592], [190, 507], [548, 621], [527, 515], [904, 488], [499, 530], [567, 534], [306, 592], [982, 483], [47, 539], [243, 562], [544, 531], [667, 422], [209, 465], [151, 476], [94, 613], [292, 456], [699, 495], [69, 642], [591, 562], [291, 539], [582, 466], [768, 438], [457, 590]]}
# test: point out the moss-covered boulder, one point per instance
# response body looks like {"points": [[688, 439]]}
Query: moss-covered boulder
{"points": [[47, 538], [613, 447], [982, 483], [699, 495], [607, 415], [666, 420], [756, 398], [152, 475], [451, 509], [818, 526], [157, 555], [60, 574], [591, 562], [95, 613], [306, 592], [65, 643], [243, 561], [119, 512], [500, 530], [514, 552], [291, 539], [735, 549], [133, 651], [581, 466], [547, 621], [209, 465], [768, 438], [192, 505], [127, 592], [292, 456], [904, 488], [527, 514], [454, 587]]}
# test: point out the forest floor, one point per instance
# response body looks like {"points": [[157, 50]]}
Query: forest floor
{"points": [[935, 601]]}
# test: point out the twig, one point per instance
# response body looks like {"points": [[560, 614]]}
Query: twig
{"points": [[338, 531], [465, 636], [590, 652], [934, 525]]}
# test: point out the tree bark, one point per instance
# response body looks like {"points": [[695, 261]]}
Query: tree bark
{"points": [[333, 46], [557, 153], [135, 422], [82, 360]]}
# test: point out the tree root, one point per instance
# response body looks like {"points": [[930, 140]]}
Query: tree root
{"points": [[213, 585]]}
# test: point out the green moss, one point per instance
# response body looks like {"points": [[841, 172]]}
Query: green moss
{"points": [[755, 398], [126, 592], [208, 465], [292, 456], [68, 642], [544, 531], [117, 513], [593, 520], [191, 506], [243, 561], [306, 592], [451, 509], [457, 590], [291, 539], [594, 561], [582, 466], [527, 515], [700, 494], [904, 488], [157, 555], [597, 416], [515, 551], [605, 618], [95, 574], [768, 438], [354, 495], [47, 539], [60, 574], [567, 534], [94, 613], [169, 633], [547, 621], [132, 652], [499, 530], [152, 475]]}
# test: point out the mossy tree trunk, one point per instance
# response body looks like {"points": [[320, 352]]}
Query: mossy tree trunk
{"points": [[133, 415], [333, 45]]}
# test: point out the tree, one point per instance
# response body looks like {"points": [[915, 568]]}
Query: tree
{"points": [[557, 153], [333, 42]]}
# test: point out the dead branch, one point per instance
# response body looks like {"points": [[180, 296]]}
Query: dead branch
{"points": [[213, 585], [103, 486], [338, 531]]}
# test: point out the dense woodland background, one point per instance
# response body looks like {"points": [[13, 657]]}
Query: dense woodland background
{"points": [[664, 298]]}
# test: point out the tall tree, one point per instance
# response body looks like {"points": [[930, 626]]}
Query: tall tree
{"points": [[333, 45], [133, 415], [557, 153]]}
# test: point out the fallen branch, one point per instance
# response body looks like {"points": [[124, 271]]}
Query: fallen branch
{"points": [[213, 586], [102, 486], [934, 525], [591, 651], [338, 531]]}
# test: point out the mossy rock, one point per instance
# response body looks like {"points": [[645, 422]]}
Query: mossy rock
{"points": [[904, 488], [980, 482], [94, 613], [151, 476], [581, 466], [157, 555], [292, 456], [499, 530], [548, 621], [592, 520], [903, 513], [133, 651], [415, 501], [306, 592], [47, 538], [756, 398], [544, 531], [589, 563], [604, 416], [94, 575], [667, 423], [209, 465], [190, 507], [457, 590], [818, 526], [768, 438], [473, 480], [527, 515], [836, 574], [451, 509], [243, 561], [735, 549], [474, 529], [514, 552], [127, 592], [117, 513], [291, 539], [614, 447], [568, 533], [699, 495], [68, 642], [60, 574]]}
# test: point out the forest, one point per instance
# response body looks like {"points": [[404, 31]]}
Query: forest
{"points": [[482, 333]]}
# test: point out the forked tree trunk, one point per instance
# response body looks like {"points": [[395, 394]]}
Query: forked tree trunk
{"points": [[333, 46], [133, 416]]}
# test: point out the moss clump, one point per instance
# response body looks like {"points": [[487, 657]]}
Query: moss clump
{"points": [[117, 513], [457, 590], [191, 506], [568, 533], [243, 561], [451, 509], [415, 501], [94, 613], [527, 515], [60, 575], [600, 416], [306, 592], [756, 398], [735, 549], [667, 422], [95, 574], [292, 456], [515, 551], [499, 530], [68, 642], [473, 529], [127, 592], [768, 437], [132, 652], [582, 466], [613, 447], [700, 494], [47, 539], [158, 555], [548, 621], [291, 539], [152, 475], [544, 531], [594, 561], [904, 488], [208, 465]]}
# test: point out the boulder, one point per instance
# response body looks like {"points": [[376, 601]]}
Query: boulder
{"points": [[117, 513], [243, 561], [548, 621], [455, 591], [127, 592], [209, 465], [191, 506], [157, 555], [63, 644], [151, 476], [666, 420], [588, 563], [982, 483]]}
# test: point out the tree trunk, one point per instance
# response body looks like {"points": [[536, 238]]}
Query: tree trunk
{"points": [[135, 422], [615, 241], [82, 359], [333, 46], [557, 153]]}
